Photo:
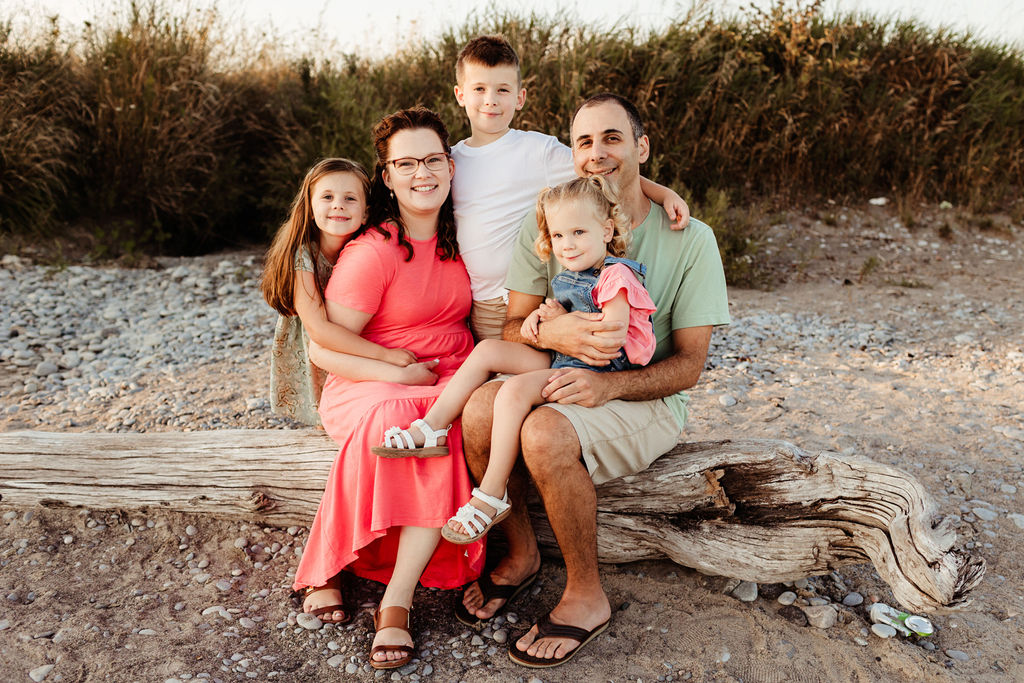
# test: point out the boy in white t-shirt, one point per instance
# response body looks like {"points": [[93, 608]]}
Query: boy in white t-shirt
{"points": [[500, 171]]}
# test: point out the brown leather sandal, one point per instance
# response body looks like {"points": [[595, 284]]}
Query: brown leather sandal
{"points": [[392, 617], [320, 612]]}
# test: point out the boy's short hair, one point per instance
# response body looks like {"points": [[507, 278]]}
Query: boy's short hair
{"points": [[491, 51]]}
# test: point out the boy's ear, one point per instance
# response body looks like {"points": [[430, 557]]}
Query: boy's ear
{"points": [[458, 96], [520, 99]]}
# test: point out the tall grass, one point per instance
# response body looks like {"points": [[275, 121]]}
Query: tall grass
{"points": [[38, 108], [140, 129]]}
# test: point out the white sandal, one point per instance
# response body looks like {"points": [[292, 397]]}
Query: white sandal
{"points": [[398, 442], [475, 519]]}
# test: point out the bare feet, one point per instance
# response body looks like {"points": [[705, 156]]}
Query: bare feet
{"points": [[510, 571], [586, 612]]}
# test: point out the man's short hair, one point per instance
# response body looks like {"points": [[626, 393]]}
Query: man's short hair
{"points": [[632, 113], [491, 51]]}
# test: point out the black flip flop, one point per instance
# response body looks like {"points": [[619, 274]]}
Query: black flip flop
{"points": [[548, 629], [492, 591]]}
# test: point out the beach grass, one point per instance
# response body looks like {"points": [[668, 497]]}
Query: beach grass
{"points": [[161, 134]]}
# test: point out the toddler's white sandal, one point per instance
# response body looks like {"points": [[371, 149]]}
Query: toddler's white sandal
{"points": [[398, 442], [475, 519]]}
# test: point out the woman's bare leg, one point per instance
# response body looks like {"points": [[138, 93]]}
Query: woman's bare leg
{"points": [[415, 546]]}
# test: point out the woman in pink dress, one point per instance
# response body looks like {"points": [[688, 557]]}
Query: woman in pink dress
{"points": [[400, 284]]}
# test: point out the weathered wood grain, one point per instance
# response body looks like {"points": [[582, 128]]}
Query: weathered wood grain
{"points": [[758, 510]]}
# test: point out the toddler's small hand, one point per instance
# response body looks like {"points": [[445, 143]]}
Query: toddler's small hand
{"points": [[550, 309]]}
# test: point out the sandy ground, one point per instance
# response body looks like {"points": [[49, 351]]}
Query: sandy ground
{"points": [[936, 389]]}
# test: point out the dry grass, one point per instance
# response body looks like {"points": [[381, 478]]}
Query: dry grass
{"points": [[140, 127]]}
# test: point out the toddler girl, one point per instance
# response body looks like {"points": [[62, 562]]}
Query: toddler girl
{"points": [[582, 225]]}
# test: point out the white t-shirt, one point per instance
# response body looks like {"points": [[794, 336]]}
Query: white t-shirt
{"points": [[494, 187]]}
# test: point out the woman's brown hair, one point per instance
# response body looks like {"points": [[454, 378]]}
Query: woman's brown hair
{"points": [[599, 194], [278, 282], [383, 206]]}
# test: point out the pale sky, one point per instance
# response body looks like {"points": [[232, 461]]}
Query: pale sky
{"points": [[371, 28]]}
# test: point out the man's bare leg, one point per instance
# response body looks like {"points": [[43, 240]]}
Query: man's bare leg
{"points": [[523, 558], [552, 454]]}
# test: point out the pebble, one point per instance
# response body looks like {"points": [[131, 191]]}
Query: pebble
{"points": [[985, 514], [745, 592], [147, 632], [501, 636], [727, 400], [853, 599], [40, 672], [883, 630], [957, 655], [223, 585], [191, 530], [336, 661], [246, 622], [5, 624], [787, 598], [821, 616], [1017, 519], [351, 667], [308, 621]]}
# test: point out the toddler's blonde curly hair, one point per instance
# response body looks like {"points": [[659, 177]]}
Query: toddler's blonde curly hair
{"points": [[597, 192]]}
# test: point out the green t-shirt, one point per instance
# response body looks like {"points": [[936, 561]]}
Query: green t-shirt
{"points": [[684, 278]]}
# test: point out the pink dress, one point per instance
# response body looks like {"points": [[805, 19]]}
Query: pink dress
{"points": [[420, 305]]}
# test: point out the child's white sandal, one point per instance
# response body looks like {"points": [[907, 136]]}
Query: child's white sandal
{"points": [[475, 519], [398, 442]]}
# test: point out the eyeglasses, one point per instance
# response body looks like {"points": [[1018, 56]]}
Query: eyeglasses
{"points": [[409, 165]]}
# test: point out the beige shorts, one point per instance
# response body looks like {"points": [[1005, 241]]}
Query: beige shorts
{"points": [[621, 437], [487, 318]]}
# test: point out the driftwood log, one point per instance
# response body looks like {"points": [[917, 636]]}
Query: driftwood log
{"points": [[756, 510]]}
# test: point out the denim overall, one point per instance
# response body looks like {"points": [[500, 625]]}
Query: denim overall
{"points": [[575, 291]]}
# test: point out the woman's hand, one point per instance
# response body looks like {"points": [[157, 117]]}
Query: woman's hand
{"points": [[419, 374], [399, 357]]}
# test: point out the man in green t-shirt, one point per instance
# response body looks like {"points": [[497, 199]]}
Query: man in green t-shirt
{"points": [[595, 426]]}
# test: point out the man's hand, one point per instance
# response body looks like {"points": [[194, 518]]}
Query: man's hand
{"points": [[582, 387], [585, 336]]}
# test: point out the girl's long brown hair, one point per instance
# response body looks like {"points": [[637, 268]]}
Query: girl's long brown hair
{"points": [[383, 206], [597, 192], [278, 282]]}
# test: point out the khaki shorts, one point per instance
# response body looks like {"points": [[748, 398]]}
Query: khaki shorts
{"points": [[487, 318], [621, 437]]}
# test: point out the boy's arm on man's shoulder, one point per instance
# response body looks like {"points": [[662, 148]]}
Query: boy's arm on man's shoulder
{"points": [[674, 205]]}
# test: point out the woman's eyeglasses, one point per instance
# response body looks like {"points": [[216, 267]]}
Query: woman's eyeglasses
{"points": [[409, 165]]}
